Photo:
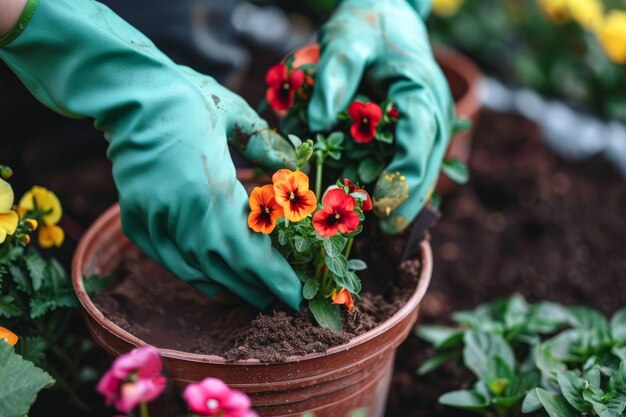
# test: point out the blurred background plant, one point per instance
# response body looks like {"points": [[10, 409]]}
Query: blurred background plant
{"points": [[570, 49]]}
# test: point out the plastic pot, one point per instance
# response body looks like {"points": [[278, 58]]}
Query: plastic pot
{"points": [[356, 374]]}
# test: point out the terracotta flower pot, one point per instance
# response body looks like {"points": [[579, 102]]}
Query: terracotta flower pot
{"points": [[353, 375], [464, 79]]}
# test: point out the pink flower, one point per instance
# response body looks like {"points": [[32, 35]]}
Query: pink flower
{"points": [[134, 378], [211, 397]]}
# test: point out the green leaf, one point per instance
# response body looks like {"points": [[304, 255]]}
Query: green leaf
{"points": [[32, 348], [8, 308], [546, 318], [588, 318], [620, 352], [523, 383], [499, 375], [295, 141], [571, 386], [337, 265], [435, 200], [326, 314], [618, 327], [20, 382], [480, 347], [350, 281], [301, 243], [336, 139], [456, 170], [617, 383], [613, 407], [359, 412], [369, 170], [384, 137], [556, 405], [36, 266], [593, 377], [334, 245], [94, 284], [437, 360], [310, 289], [282, 237], [516, 311], [356, 265], [20, 279], [466, 400], [461, 125], [439, 336], [531, 402]]}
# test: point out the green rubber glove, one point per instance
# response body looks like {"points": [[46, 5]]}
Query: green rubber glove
{"points": [[385, 42], [167, 128]]}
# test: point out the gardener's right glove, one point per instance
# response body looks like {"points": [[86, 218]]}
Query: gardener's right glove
{"points": [[167, 127]]}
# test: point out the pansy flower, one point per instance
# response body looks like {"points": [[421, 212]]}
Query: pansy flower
{"points": [[293, 194], [366, 117], [282, 85], [8, 218], [264, 210], [336, 215], [343, 297], [212, 397], [43, 205]]}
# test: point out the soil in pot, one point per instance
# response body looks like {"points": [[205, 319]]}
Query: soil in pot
{"points": [[150, 303]]}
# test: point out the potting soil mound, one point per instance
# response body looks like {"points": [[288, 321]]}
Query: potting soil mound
{"points": [[161, 310]]}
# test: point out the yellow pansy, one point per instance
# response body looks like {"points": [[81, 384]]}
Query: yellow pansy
{"points": [[557, 10], [42, 202], [43, 205], [588, 13], [612, 36], [8, 218], [446, 7]]}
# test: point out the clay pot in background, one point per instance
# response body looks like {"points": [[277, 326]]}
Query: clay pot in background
{"points": [[356, 374], [464, 79]]}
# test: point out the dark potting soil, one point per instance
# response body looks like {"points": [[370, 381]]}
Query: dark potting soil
{"points": [[528, 222], [153, 305]]}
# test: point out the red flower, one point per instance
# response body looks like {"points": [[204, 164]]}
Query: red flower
{"points": [[336, 215], [282, 86], [393, 113], [366, 118], [367, 203]]}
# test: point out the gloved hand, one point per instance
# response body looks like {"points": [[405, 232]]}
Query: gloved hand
{"points": [[167, 128], [385, 42]]}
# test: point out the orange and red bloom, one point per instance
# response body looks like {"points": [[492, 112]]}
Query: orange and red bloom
{"points": [[343, 297], [8, 336], [293, 194], [352, 188], [264, 210], [366, 117], [337, 214], [282, 85]]}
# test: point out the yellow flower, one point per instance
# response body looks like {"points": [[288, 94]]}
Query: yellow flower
{"points": [[446, 8], [588, 13], [8, 218], [557, 10], [44, 206], [612, 36]]}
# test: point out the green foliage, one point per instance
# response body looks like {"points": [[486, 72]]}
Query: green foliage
{"points": [[456, 170], [566, 361], [20, 381]]}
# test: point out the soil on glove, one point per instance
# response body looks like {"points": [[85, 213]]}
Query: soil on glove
{"points": [[160, 309]]}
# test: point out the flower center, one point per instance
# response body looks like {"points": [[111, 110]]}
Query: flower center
{"points": [[365, 120], [292, 196], [286, 86], [267, 210], [337, 216], [212, 404]]}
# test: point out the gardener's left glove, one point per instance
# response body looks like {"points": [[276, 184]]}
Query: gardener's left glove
{"points": [[385, 42]]}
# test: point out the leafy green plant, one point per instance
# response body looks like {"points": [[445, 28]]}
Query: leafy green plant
{"points": [[20, 382], [531, 358]]}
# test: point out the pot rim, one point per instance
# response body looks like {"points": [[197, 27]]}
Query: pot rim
{"points": [[112, 215]]}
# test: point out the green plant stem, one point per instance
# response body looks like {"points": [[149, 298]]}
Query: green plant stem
{"points": [[349, 247], [143, 410], [318, 174]]}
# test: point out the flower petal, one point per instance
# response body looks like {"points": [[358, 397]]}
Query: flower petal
{"points": [[296, 79], [276, 75], [281, 175], [6, 196], [322, 225], [146, 360], [50, 236], [142, 390], [8, 222], [356, 109]]}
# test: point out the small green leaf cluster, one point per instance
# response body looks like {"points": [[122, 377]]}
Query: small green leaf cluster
{"points": [[533, 358]]}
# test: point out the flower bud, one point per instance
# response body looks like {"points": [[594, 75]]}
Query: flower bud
{"points": [[5, 172], [305, 152], [32, 224]]}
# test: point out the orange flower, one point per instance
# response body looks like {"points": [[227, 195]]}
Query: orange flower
{"points": [[293, 194], [264, 211], [8, 336], [343, 297]]}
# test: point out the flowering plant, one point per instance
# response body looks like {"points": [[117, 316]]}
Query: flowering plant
{"points": [[315, 231]]}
